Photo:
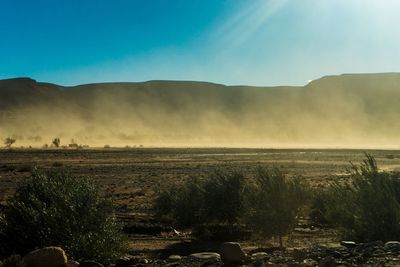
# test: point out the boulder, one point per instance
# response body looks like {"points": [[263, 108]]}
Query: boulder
{"points": [[260, 256], [71, 263], [310, 263], [126, 261], [46, 257], [174, 258], [206, 256], [231, 252], [299, 255], [143, 261], [348, 244], [393, 246], [257, 263], [90, 264], [328, 262]]}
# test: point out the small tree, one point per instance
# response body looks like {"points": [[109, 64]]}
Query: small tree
{"points": [[61, 210], [56, 142], [9, 141], [274, 203]]}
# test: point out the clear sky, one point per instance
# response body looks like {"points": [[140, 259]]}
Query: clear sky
{"points": [[255, 42]]}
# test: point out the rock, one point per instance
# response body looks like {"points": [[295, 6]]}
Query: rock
{"points": [[299, 255], [71, 263], [327, 262], [260, 256], [392, 246], [46, 257], [126, 261], [143, 261], [232, 252], [258, 263], [90, 264], [174, 258], [310, 262], [206, 256], [348, 244]]}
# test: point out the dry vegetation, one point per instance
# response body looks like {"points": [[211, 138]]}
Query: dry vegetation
{"points": [[133, 178]]}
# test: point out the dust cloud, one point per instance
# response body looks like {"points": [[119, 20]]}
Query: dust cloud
{"points": [[347, 111]]}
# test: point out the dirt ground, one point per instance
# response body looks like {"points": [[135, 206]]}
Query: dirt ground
{"points": [[133, 177]]}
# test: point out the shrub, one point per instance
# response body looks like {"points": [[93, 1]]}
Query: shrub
{"points": [[62, 210], [274, 203], [182, 205], [367, 208], [56, 142], [219, 202], [216, 199], [9, 141], [224, 197]]}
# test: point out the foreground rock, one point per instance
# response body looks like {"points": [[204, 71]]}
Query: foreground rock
{"points": [[260, 256], [348, 244], [232, 253], [348, 254], [393, 246], [90, 264], [71, 263], [174, 258], [46, 257], [206, 256]]}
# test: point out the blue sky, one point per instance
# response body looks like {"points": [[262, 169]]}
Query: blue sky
{"points": [[255, 42]]}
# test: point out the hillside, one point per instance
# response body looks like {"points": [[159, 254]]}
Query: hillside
{"points": [[351, 110]]}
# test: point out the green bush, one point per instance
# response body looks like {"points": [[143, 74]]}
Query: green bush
{"points": [[217, 198], [182, 205], [268, 206], [273, 203], [224, 197], [62, 210], [367, 208]]}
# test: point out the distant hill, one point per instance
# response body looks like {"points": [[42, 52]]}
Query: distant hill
{"points": [[351, 110]]}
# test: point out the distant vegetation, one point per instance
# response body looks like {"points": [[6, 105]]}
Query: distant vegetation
{"points": [[9, 141], [60, 209], [56, 142]]}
